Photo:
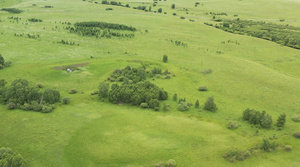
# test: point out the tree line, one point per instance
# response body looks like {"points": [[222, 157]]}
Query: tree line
{"points": [[282, 34], [21, 94], [12, 10]]}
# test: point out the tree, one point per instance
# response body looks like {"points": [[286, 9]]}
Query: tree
{"points": [[266, 121], [210, 105], [149, 8], [173, 6], [153, 103], [183, 106], [103, 90], [159, 10], [175, 97], [165, 58], [197, 104], [281, 120], [2, 62]]}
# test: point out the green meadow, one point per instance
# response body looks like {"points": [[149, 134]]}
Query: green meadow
{"points": [[247, 72]]}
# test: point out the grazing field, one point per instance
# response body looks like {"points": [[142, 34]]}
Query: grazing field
{"points": [[239, 71]]}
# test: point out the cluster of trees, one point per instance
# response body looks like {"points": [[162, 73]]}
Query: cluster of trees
{"points": [[281, 34], [4, 63], [67, 42], [132, 74], [128, 74], [20, 94], [144, 94], [9, 158], [35, 20], [179, 43], [12, 10], [257, 118], [102, 29], [104, 25]]}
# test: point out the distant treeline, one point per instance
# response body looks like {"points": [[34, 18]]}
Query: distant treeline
{"points": [[102, 29], [12, 10], [35, 20], [282, 34], [104, 25]]}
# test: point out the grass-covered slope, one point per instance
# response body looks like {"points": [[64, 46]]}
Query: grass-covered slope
{"points": [[246, 72]]}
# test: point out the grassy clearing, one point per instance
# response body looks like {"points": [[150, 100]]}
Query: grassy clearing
{"points": [[257, 74]]}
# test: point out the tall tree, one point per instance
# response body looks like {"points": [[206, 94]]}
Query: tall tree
{"points": [[210, 105]]}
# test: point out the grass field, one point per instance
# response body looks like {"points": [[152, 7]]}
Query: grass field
{"points": [[256, 73]]}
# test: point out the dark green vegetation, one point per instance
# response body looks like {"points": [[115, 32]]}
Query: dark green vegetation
{"points": [[20, 94], [8, 158], [101, 29], [87, 129], [282, 34], [12, 10]]}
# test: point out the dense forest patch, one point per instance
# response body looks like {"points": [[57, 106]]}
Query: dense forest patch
{"points": [[282, 34], [102, 29]]}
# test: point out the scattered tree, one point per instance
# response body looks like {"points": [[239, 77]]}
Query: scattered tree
{"points": [[66, 100], [175, 97], [103, 90], [197, 104], [2, 62], [159, 10], [210, 105], [173, 6], [281, 120], [183, 106], [165, 58]]}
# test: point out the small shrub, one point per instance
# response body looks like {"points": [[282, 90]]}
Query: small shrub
{"points": [[1, 66], [197, 104], [156, 108], [165, 58], [232, 125], [234, 155], [281, 120], [296, 117], [175, 97], [182, 17], [46, 109], [39, 85], [7, 63], [288, 148], [202, 88], [144, 105], [171, 163], [66, 100], [109, 9], [72, 91], [267, 146], [11, 105], [94, 93], [174, 14], [297, 135], [183, 106]]}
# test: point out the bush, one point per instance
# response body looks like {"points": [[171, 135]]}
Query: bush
{"points": [[267, 146], [296, 134], [197, 104], [7, 64], [103, 90], [175, 97], [1, 66], [46, 109], [165, 58], [296, 117], [210, 105], [174, 14], [66, 100], [171, 163], [144, 105], [72, 91], [182, 17], [94, 93], [232, 125], [281, 120], [11, 105], [183, 106], [234, 155], [288, 148], [39, 85], [8, 158], [202, 88]]}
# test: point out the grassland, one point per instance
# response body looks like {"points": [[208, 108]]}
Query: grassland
{"points": [[256, 73]]}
